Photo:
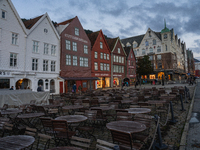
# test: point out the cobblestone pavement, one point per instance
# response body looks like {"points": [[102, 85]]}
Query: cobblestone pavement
{"points": [[171, 133]]}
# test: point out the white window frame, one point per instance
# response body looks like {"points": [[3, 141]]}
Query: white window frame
{"points": [[129, 62], [15, 38], [85, 49], [53, 66], [131, 55], [146, 43], [119, 69], [35, 47], [95, 54], [122, 60], [46, 48], [107, 56], [81, 62], [53, 50], [143, 52], [116, 59], [101, 55], [74, 46], [101, 66], [122, 69], [45, 65], [76, 30], [104, 67], [118, 50], [85, 62], [154, 42], [108, 67], [95, 66], [159, 57], [68, 60], [75, 61], [68, 45], [13, 60], [101, 45], [158, 49], [34, 64], [150, 50]]}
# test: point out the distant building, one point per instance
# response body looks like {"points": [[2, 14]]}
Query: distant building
{"points": [[197, 67], [191, 64]]}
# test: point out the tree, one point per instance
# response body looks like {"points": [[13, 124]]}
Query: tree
{"points": [[144, 66]]}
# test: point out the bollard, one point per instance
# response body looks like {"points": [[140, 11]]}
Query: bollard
{"points": [[159, 145], [186, 97], [182, 103], [173, 120]]}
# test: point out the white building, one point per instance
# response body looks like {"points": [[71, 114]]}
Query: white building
{"points": [[29, 51]]}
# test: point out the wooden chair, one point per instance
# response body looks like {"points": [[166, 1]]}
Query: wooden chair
{"points": [[125, 140], [43, 138], [7, 128], [80, 142], [124, 116], [61, 131], [31, 132], [47, 125], [104, 145]]}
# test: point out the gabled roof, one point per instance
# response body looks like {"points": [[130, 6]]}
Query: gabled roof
{"points": [[93, 36], [111, 43], [158, 34], [196, 60], [138, 39], [30, 23], [127, 50], [66, 22]]}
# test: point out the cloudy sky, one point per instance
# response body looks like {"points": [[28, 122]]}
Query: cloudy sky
{"points": [[123, 18]]}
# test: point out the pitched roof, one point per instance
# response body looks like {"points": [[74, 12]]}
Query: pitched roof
{"points": [[111, 43], [127, 50], [196, 60], [66, 22], [30, 23], [93, 36], [138, 39], [158, 34]]}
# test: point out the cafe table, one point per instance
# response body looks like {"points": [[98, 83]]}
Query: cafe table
{"points": [[66, 148], [16, 142], [138, 110], [126, 126], [72, 118], [106, 108], [72, 107]]}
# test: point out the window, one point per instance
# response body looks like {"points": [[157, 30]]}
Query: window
{"points": [[45, 30], [151, 57], [108, 67], [35, 47], [158, 57], [74, 46], [119, 50], [101, 45], [95, 55], [120, 59], [46, 84], [74, 60], [146, 43], [159, 49], [107, 56], [129, 62], [77, 31], [34, 64], [3, 14], [101, 55], [116, 59], [119, 69], [154, 42], [68, 45], [53, 50], [150, 50], [131, 55], [68, 59], [95, 66], [166, 47], [14, 38], [101, 66], [85, 49], [159, 65], [84, 84], [53, 65], [134, 45], [45, 65], [122, 69], [143, 52], [165, 36], [85, 62], [46, 48], [104, 56], [81, 61], [105, 67], [129, 71], [13, 60]]}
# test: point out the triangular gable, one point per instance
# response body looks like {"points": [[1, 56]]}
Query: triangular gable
{"points": [[114, 45], [38, 20], [17, 15], [105, 40], [63, 25]]}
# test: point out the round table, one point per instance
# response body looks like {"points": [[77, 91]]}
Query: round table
{"points": [[102, 108], [30, 115], [66, 148], [72, 107], [16, 142], [138, 110], [72, 118], [11, 111], [126, 126]]}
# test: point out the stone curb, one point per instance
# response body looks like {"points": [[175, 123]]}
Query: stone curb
{"points": [[186, 127]]}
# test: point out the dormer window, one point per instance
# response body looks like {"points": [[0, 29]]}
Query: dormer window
{"points": [[165, 36], [134, 45], [77, 31]]}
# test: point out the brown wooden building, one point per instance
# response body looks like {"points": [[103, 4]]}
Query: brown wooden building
{"points": [[101, 60], [75, 55]]}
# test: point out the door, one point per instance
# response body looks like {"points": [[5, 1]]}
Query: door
{"points": [[61, 87]]}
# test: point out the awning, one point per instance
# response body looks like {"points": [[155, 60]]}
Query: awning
{"points": [[81, 78]]}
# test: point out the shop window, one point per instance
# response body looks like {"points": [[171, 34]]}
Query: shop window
{"points": [[152, 76], [84, 84]]}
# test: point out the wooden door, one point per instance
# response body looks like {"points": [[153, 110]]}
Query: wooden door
{"points": [[61, 87]]}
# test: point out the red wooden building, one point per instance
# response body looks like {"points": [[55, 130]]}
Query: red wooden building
{"points": [[100, 56], [130, 65], [118, 62], [75, 55]]}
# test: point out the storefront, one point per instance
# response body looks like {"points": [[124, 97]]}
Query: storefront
{"points": [[103, 82]]}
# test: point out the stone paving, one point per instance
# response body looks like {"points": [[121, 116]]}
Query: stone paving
{"points": [[171, 133]]}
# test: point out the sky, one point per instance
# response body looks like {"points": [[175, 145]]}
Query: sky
{"points": [[123, 18]]}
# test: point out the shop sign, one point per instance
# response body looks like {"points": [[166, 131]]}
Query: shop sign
{"points": [[99, 75], [117, 75], [75, 38], [131, 67]]}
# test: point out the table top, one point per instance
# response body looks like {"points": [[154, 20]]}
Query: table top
{"points": [[72, 118], [157, 101], [103, 108], [51, 106], [30, 115], [72, 107], [10, 111], [126, 126], [138, 110], [16, 142], [66, 148]]}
